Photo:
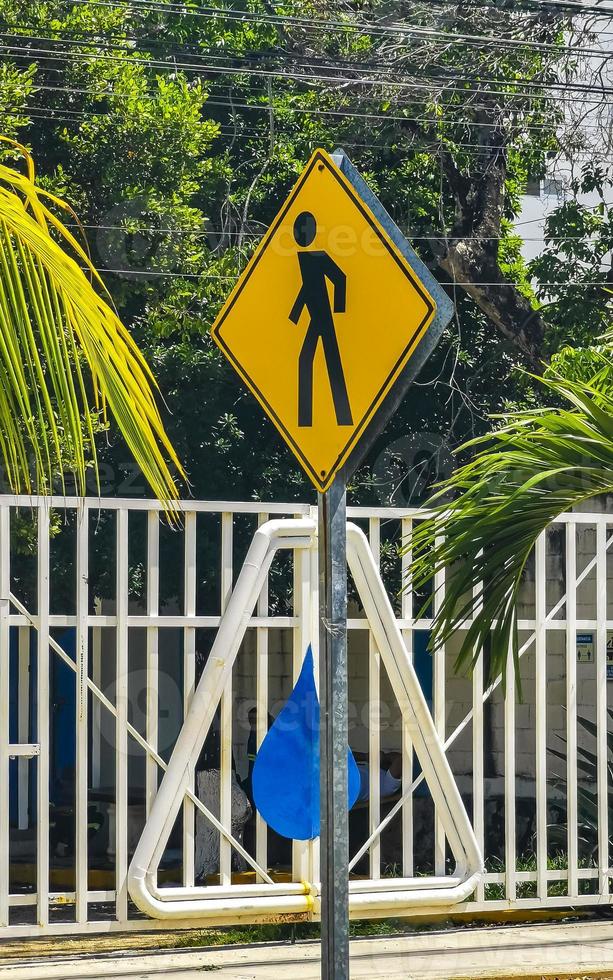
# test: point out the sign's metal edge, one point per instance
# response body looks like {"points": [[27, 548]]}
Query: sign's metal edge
{"points": [[443, 315], [444, 305]]}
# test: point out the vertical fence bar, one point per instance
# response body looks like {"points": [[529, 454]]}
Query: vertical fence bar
{"points": [[315, 870], [478, 770], [540, 576], [261, 695], [121, 722], [96, 706], [5, 687], [225, 802], [374, 722], [189, 681], [509, 782], [438, 697], [571, 707], [301, 850], [23, 772], [601, 709], [82, 719], [406, 531], [152, 666], [477, 746], [43, 698]]}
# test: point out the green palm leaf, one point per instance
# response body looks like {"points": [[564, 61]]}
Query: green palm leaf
{"points": [[64, 354], [537, 465]]}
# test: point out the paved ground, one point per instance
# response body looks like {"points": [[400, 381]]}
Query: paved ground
{"points": [[580, 950]]}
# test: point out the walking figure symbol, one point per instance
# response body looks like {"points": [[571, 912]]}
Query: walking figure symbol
{"points": [[315, 268]]}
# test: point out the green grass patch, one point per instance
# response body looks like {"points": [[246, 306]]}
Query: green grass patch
{"points": [[285, 932]]}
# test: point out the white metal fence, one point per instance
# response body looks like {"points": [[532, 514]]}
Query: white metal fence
{"points": [[106, 617]]}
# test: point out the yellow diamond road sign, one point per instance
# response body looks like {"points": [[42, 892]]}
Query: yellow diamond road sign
{"points": [[324, 318]]}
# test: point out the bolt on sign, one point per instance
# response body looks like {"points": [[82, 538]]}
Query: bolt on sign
{"points": [[328, 313]]}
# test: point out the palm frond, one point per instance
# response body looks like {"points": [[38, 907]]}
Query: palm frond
{"points": [[64, 353], [536, 466]]}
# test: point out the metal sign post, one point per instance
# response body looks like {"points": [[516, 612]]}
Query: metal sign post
{"points": [[334, 849]]}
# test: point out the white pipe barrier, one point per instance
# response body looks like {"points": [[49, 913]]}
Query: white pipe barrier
{"points": [[366, 897]]}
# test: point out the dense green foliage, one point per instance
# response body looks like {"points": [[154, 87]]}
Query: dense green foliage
{"points": [[175, 135]]}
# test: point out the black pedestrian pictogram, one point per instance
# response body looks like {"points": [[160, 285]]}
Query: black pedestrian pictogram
{"points": [[315, 268]]}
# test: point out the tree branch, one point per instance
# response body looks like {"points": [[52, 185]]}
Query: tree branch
{"points": [[470, 254]]}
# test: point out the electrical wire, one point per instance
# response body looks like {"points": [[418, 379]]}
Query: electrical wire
{"points": [[79, 115], [192, 232], [232, 105], [364, 27], [228, 103], [304, 78], [261, 138], [442, 237], [43, 114], [307, 77], [182, 10], [469, 282], [565, 86], [550, 91], [578, 7], [61, 116], [342, 113], [179, 9], [345, 113], [238, 70], [488, 40]]}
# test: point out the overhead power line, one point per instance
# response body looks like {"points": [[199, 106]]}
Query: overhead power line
{"points": [[53, 55], [156, 41], [431, 145], [574, 7], [460, 123], [547, 91], [42, 112], [511, 284], [65, 116], [442, 237], [427, 146], [360, 26], [232, 104]]}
